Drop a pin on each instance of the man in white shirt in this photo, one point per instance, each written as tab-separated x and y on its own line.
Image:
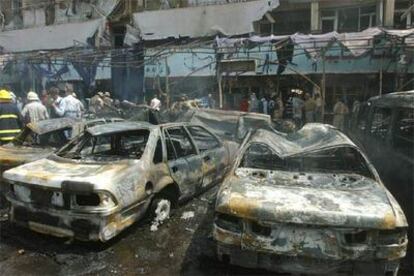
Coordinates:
155	103
69	106
155	106
34	111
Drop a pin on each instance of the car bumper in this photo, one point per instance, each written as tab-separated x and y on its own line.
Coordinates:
252	259
70	224
230	250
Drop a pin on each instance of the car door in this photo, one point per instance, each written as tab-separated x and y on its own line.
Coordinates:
213	154
184	162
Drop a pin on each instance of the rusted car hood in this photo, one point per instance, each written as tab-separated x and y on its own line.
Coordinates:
11	156
368	206
51	172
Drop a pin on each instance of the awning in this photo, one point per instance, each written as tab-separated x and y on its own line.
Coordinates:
227	19
54	37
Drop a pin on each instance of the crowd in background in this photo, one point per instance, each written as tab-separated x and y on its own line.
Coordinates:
300	107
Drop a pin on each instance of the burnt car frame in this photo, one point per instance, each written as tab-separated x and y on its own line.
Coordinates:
384	126
40	139
308	202
107	178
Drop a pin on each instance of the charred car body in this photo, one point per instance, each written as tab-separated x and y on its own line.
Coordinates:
308	202
107	178
40	139
385	128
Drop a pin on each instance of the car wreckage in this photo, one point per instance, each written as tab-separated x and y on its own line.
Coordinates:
107	178
308	202
39	139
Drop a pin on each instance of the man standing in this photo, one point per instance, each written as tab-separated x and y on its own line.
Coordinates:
155	106
54	99
211	102
34	111
340	110
96	105
310	108
297	106
10	119
69	106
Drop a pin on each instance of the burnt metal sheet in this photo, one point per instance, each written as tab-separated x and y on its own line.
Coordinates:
230	125
310	137
45	126
228	19
54	37
118	127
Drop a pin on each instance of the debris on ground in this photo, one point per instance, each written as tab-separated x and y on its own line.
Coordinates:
187	215
162	212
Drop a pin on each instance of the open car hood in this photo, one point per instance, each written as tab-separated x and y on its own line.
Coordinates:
369	206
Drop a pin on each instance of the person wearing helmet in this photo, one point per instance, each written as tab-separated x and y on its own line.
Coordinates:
34	111
10	118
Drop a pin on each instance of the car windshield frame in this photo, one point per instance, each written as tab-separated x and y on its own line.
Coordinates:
302	163
107	146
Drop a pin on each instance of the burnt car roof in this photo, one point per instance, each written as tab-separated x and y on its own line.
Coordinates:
45	126
118	127
311	137
396	99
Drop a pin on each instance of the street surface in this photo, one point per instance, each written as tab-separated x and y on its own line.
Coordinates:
181	246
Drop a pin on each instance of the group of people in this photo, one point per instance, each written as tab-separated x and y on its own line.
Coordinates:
13	115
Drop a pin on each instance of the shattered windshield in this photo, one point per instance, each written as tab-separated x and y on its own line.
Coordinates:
337	160
28	137
113	146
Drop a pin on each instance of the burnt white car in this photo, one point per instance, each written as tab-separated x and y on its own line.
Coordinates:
106	179
308	202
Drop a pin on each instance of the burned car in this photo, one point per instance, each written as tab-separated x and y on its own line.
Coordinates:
308	202
106	179
40	139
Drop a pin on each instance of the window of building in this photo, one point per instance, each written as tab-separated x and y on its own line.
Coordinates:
403	18
329	21
17	11
352	19
286	23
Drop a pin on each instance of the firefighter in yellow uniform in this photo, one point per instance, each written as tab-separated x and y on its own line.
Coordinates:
10	118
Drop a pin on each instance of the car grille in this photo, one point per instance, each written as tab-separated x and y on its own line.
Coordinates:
24	215
43	197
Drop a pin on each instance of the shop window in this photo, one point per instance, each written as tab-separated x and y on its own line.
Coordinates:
403	134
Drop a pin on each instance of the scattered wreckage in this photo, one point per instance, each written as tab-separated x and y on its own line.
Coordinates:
40	139
308	202
107	178
228	125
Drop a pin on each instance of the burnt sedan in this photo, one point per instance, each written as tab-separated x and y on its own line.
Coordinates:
308	202
40	139
106	179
